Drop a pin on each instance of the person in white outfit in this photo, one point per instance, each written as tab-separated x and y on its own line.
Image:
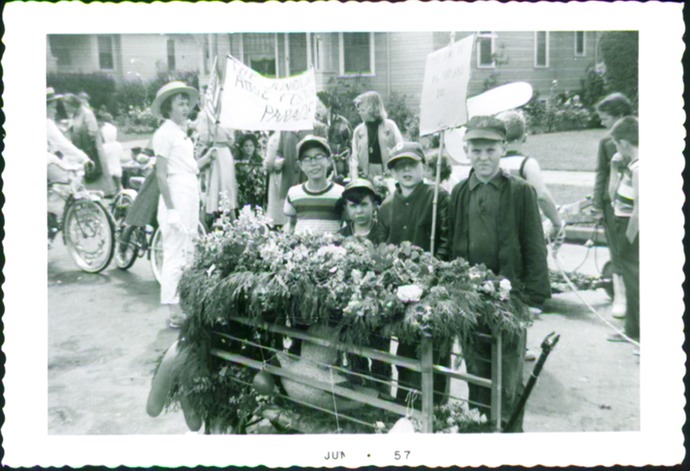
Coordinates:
113	151
176	172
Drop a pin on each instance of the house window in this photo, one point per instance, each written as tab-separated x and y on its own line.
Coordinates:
356	54
580	44
171	54
297	51
541	49
105	52
486	50
260	52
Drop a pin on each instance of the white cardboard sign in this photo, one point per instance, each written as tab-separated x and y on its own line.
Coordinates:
266	104
444	89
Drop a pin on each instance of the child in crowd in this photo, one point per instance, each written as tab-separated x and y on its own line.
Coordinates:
361	203
406	215
313	205
610	109
517	163
624	193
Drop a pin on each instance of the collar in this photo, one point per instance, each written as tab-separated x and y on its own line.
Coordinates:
319	192
495	181
398	192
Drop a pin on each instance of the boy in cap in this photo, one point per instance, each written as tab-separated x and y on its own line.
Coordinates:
495	221
361	202
406	215
313	205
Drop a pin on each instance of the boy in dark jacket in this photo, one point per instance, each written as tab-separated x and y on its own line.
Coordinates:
406	215
495	221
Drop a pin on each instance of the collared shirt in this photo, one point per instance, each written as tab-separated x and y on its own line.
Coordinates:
484	221
173	144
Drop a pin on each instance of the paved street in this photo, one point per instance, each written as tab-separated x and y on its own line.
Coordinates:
106	332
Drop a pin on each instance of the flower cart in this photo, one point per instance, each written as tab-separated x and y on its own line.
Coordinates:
252	292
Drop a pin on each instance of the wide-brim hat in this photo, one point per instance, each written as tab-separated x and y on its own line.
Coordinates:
309	141
406	150
485	127
170	89
51	95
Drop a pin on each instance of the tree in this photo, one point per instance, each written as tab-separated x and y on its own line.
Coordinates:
619	50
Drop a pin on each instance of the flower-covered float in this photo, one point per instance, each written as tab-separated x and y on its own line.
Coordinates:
251	292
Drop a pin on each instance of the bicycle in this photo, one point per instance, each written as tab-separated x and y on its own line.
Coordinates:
88	228
582	227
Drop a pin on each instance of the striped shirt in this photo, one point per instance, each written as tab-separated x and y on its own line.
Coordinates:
316	212
624	201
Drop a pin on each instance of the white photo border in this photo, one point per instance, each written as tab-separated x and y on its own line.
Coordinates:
25	431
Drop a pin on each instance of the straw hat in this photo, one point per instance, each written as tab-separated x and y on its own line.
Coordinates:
170	89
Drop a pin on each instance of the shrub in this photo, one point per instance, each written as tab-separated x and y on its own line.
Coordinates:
563	111
137	120
406	119
344	91
100	87
620	52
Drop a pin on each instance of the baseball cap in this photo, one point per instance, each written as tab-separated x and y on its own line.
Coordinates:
406	150
311	140
485	127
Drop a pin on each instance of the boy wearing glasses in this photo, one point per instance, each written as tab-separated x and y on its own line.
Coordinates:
313	205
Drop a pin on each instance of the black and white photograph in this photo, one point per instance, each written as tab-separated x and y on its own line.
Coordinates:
353	234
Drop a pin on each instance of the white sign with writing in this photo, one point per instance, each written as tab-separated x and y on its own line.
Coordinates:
444	90
252	101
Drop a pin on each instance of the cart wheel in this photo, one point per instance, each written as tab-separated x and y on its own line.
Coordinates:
89	235
607	279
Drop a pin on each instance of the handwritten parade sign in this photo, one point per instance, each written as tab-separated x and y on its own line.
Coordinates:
252	101
444	90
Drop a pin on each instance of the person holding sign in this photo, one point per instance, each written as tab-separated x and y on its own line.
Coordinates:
373	139
495	221
313	206
406	216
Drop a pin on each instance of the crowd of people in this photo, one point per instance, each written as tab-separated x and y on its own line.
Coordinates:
493	217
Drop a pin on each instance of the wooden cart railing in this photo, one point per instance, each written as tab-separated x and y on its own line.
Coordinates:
424	366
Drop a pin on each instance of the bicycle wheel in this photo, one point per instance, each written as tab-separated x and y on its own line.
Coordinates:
89	233
156	250
124	256
607	277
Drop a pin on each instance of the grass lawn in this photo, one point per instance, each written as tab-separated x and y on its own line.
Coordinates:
126	137
572	150
565	194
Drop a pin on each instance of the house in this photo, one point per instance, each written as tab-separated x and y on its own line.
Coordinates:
392	61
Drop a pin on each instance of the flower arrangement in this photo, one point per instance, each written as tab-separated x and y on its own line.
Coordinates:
351	285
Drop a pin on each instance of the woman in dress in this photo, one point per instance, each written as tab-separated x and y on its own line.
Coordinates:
251	176
85	134
177	175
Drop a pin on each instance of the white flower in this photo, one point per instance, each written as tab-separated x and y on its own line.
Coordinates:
488	287
409	293
504	288
210	270
334	251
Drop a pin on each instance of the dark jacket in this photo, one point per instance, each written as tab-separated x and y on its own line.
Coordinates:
600	197
522	252
403	219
